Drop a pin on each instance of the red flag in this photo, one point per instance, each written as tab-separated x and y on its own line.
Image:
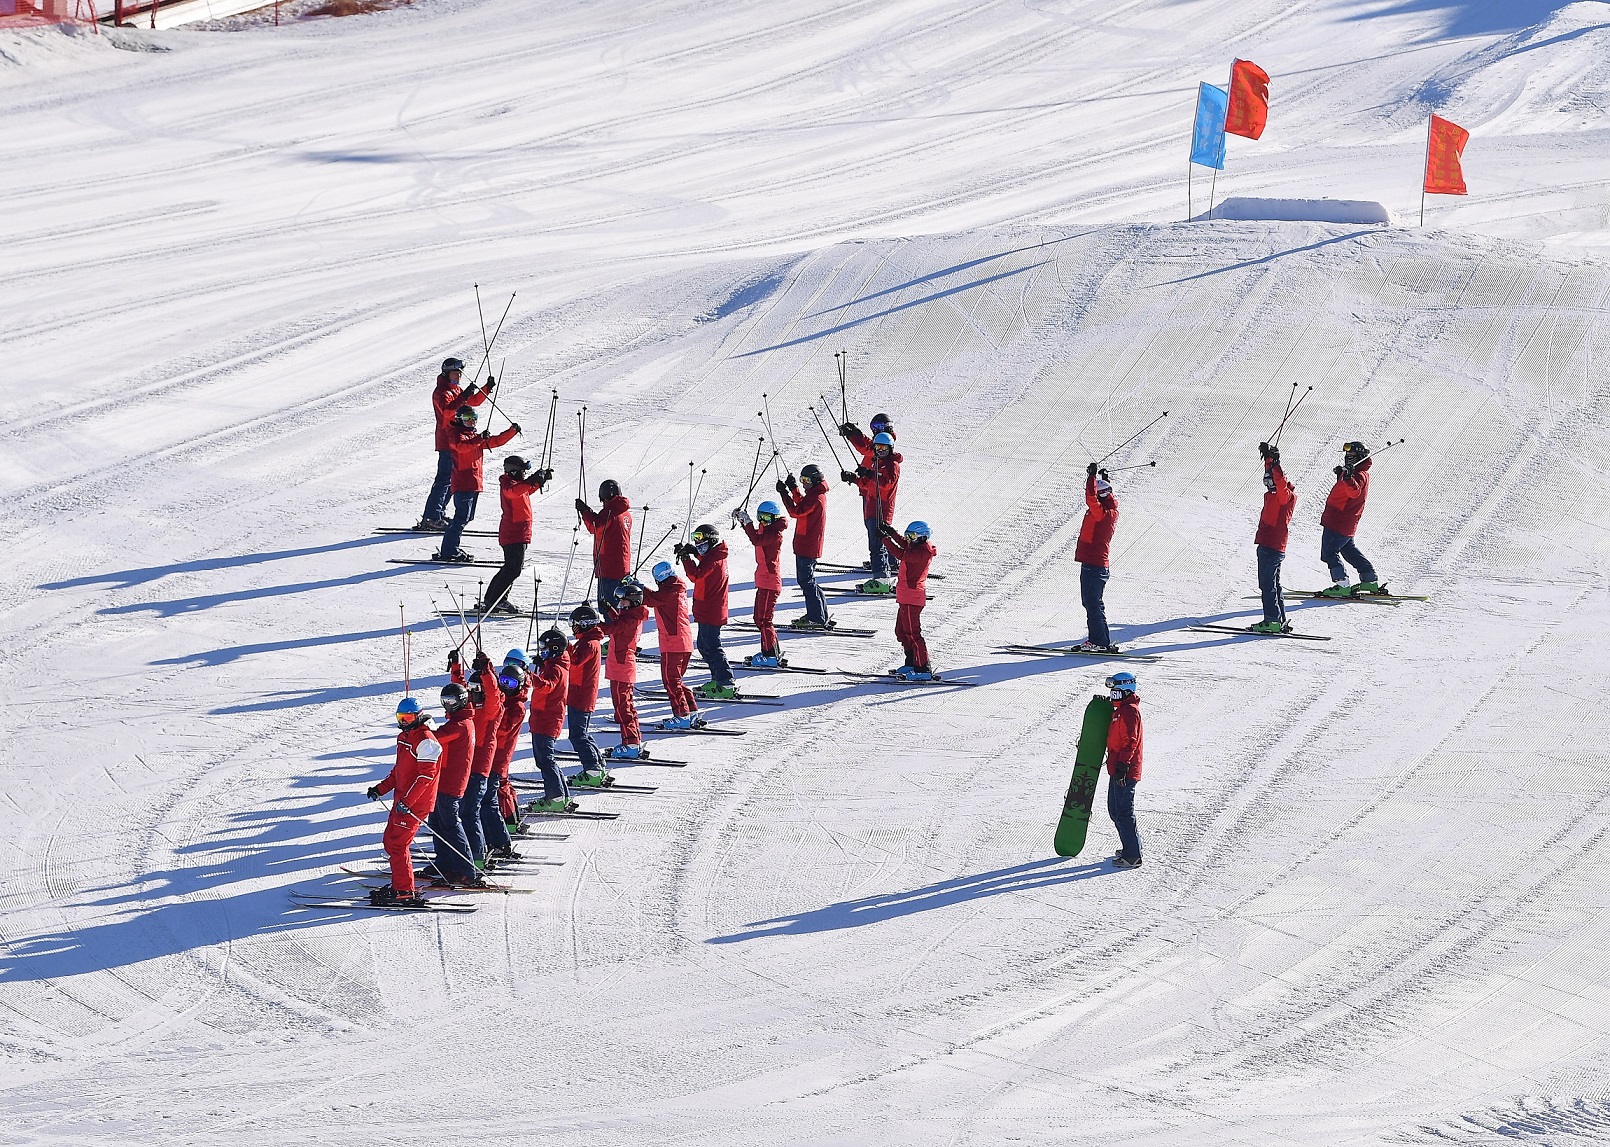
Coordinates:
1444	146
1249	100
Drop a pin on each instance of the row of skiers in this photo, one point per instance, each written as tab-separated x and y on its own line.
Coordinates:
898	559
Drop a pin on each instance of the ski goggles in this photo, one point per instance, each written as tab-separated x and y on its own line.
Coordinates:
881	424
580	625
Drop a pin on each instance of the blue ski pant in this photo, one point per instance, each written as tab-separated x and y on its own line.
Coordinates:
1121	807
452	844
1092	589
880	563
494	829
553	781
436	500
607	588
815	599
463	515
469	815
581	740
1333	547
715	657
1274	603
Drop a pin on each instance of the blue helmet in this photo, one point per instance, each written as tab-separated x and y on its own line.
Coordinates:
1122	683
663	571
409	711
519	657
882	439
768	509
918	529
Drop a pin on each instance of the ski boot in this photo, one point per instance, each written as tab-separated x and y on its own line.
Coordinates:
476	881
675	723
625	753
383	897
459	556
504	853
764	661
1340	589
711	691
808	625
592	779
698	722
430	526
904	672
1122	861
1369	589
1267	627
551	805
503	607
923	673
878	587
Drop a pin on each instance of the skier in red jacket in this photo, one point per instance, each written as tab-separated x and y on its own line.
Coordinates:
670	602
586	667
878	479
768	540
413	779
809	508
1279	500
623	624
550	687
515	487
453	863
704	560
444	400
498	806
916	554
468	446
611	528
1093	555
486	699
1339	523
1123	766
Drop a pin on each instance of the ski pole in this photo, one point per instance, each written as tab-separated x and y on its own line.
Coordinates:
689	516
581	458
1132	437
830	447
442	617
547	436
489	343
1136	466
575	543
642	528
699	489
753	470
424	823
1274	439
764	414
536	607
402	616
843	358
645	557
1388	446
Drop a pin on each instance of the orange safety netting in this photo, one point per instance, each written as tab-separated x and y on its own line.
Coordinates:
14	13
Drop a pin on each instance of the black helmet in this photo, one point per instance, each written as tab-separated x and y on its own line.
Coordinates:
511	676
706	535
515	466
583	617
454	697
630	590
553	642
811	473
472	686
882	422
452	364
466	416
1356	452
607	489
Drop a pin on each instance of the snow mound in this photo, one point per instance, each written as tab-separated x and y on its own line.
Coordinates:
1246	207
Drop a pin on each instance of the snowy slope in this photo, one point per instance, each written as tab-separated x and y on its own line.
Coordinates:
1374	866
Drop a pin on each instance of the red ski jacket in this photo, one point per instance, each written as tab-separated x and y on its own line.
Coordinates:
623	627
549	688
1345	506
863	444
413	777
811	510
1095	532
469	447
709	574
768	555
1124	740
911	584
445	401
487	716
586	666
670	602
515	496
457	737
509	729
611	528
1278	505
878	487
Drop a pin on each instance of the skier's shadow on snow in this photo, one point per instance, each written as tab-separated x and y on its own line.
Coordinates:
1029	877
128	579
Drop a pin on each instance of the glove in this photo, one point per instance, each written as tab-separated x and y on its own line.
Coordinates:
862	472
1091	470
546	475
887	530
581	507
1263	450
1105	477
846	476
452	658
481	663
1273	455
849	429
1340	471
373	792
782	487
743	516
490	382
515	426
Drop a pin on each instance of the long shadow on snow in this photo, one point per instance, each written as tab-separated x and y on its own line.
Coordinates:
228	653
1029	877
1472	17
1272	257
193	604
128	579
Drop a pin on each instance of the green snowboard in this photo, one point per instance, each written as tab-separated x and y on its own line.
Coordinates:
1075	820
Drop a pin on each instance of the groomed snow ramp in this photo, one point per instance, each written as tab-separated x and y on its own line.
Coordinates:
1246	207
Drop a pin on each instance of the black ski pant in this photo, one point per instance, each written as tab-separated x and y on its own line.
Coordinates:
503	580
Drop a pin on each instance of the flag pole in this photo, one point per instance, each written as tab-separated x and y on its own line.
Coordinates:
1424	168
1229	94
1188	172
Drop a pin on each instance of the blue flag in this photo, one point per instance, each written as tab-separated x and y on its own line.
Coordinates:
1207	140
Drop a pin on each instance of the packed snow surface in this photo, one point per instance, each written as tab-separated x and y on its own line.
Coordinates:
1372	901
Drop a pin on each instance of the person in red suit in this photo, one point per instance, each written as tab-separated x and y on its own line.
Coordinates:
1339	523
915	553
767	537
497	805
623	623
669	599
515	486
413	779
1123	766
486	701
1093	555
878	479
444	400
550	687
611	528
469	446
704	560
1274	522
453	863
586	668
808	507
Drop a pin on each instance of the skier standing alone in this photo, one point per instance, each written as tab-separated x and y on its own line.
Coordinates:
915	554
1123	766
1279	500
1339	523
413	779
1093	555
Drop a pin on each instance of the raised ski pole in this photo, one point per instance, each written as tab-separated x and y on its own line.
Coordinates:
495	409
818	419
643	558
1388	446
547	436
844	400
697	490
536	607
753	470
489	343
1274	439
1132	437
642	528
402	617
581	456
765	416
442	617
1136	466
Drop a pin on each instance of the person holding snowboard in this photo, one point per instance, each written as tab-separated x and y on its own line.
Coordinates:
550	686
1279	500
611	528
878	479
413	779
809	508
1093	555
623	625
444	400
586	667
468	446
704	560
915	553
767	537
1339	523
515	487
453	864
1123	766
669	597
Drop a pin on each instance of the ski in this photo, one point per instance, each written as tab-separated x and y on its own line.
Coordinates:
662	762
318	900
1074	822
433	533
1250	633
789	631
533	783
1060	651
747	699
891	679
426	886
438	564
707	731
1374	598
574	814
779	668
840	567
852	591
489	890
